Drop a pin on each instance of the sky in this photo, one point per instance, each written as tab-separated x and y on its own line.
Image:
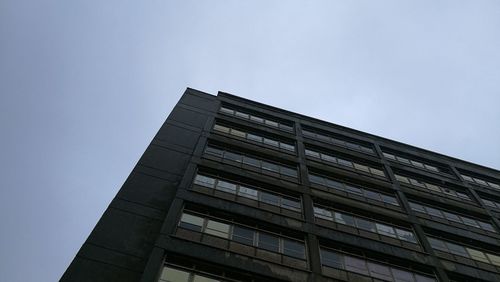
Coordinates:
85	85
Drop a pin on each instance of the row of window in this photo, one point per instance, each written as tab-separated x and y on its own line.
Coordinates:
464	251
369	268
490	203
249	193
452	217
414	163
170	274
333	184
432	187
480	181
346	163
338	142
244	159
244	235
254	138
256	119
365	224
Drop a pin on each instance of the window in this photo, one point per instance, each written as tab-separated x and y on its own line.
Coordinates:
385	230
451	217
389	200
268	242
232	156
290	204
218	229
434	212
456	249
270	167
323	214
379	271
248	193
406	235
293	249
174	275
344	219
438	244
366	225
417	207
251	161
332	259
226	187
372	195
204	181
355	265
191	222
345	163
198	278
401	275
243	235
494	259
358	191
477	255
269	199
470	222
238	133
255	138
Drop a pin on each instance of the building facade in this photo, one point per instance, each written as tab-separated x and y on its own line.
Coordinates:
234	190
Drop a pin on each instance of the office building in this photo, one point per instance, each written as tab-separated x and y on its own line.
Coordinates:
234	190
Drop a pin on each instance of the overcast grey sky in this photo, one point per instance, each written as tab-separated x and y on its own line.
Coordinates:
85	85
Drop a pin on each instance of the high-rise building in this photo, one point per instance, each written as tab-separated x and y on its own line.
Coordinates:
234	190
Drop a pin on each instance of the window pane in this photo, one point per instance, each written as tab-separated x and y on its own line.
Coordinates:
456	249
451	217
417	183
389	200
316	179
406	235
489	203
486	226
377	172
417	164
431	168
379	271
389	156
288	171
403	160
254	138
271	142
270	166
322	213
232	156
191	222
221	128
344	219
372	195
366	225
248	193
344	162
217	229
269	198
402	179
417	207
470	221
433	187
434	212
312	154
268	242
204	181
226	110
494	259
332	259
328	158
226	187
355	265
335	184
290	204
420	278
480	181
238	133
402	276
463	196
385	230
174	275
354	190
241	115
286	127
477	255
198	278
271	123
257	119
467	178
287	147
293	249
251	161
438	244
494	185
361	167
214	151
243	235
